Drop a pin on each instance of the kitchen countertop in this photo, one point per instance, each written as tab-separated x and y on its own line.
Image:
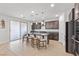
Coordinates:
45	34
47	30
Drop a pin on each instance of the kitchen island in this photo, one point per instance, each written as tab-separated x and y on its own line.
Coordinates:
47	34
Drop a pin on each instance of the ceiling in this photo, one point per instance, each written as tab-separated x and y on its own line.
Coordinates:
42	11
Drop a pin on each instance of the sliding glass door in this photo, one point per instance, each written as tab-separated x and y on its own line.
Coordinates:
17	30
23	29
14	30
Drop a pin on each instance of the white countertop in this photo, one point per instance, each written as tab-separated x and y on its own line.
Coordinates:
40	34
48	30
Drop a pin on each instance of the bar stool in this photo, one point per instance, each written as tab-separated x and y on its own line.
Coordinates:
42	42
24	36
34	41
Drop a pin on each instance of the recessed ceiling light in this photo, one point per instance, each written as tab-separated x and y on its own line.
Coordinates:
77	11
32	11
36	23
42	22
52	5
57	15
31	23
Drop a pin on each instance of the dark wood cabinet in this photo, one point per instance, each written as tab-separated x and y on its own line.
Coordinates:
52	25
36	26
53	36
70	32
76	29
72	37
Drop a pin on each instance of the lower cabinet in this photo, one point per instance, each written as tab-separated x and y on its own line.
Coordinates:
76	48
53	36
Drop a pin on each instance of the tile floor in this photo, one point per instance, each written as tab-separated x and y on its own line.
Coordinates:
19	48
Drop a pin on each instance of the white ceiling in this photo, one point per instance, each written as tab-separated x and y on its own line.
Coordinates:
18	9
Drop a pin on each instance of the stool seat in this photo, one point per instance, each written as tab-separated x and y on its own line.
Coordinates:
42	43
42	40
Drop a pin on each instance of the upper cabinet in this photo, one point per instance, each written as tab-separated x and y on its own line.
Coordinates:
48	25
36	26
52	25
76	10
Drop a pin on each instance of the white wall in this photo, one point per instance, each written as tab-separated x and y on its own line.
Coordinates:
62	29
29	27
4	33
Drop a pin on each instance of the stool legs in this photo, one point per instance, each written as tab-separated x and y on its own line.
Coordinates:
43	43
